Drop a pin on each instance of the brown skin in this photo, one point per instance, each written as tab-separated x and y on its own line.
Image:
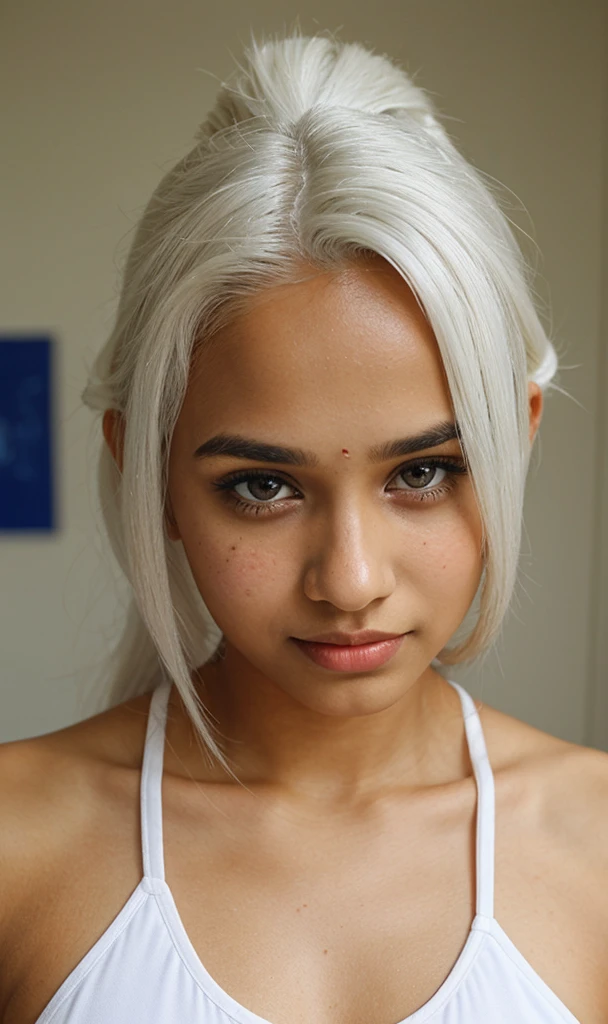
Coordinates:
334	363
338	884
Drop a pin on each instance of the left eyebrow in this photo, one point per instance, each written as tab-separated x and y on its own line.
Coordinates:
240	447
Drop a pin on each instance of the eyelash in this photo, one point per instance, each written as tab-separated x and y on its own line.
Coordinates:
454	467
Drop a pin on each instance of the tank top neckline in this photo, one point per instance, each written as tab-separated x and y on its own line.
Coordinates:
151	796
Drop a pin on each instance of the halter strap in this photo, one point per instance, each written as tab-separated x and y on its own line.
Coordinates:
151	784
152	812
484	779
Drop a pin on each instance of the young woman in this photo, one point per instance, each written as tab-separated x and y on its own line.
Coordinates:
319	402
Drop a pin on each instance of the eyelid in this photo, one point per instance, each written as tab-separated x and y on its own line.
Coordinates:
241	475
454	466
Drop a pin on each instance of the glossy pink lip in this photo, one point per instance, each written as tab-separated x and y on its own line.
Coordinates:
350	657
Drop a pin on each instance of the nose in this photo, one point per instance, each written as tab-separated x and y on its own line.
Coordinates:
351	564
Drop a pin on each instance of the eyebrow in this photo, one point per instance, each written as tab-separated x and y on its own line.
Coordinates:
240	447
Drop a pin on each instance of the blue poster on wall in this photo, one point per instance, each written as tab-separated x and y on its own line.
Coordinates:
26	434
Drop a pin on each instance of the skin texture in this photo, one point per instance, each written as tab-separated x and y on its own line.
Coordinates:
333	363
338	882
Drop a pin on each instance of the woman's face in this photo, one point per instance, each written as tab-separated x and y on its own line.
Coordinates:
333	366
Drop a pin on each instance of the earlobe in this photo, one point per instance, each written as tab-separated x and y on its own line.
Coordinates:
113	431
535	405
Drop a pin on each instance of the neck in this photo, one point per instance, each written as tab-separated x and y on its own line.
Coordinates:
272	740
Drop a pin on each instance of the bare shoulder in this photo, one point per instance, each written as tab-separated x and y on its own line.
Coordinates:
52	788
577	807
559	786
570	772
39	772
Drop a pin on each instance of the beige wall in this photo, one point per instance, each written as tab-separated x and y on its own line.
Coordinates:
100	99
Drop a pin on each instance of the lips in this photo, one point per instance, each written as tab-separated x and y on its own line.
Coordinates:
350	657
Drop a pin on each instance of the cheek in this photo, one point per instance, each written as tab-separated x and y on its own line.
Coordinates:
234	575
447	560
226	568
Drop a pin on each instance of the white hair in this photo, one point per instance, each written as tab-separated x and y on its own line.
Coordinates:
322	153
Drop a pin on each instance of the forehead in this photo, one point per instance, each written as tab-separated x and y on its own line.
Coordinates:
328	347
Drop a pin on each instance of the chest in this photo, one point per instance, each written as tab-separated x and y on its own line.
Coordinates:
345	923
348	931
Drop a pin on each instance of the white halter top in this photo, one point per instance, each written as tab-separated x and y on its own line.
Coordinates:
144	969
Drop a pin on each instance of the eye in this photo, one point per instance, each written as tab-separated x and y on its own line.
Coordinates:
422	472
422	475
264	486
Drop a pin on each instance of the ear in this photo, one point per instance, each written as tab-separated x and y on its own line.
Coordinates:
535	400
113	426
